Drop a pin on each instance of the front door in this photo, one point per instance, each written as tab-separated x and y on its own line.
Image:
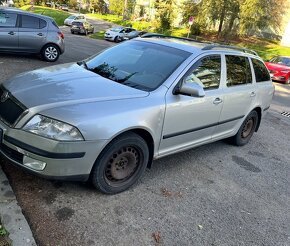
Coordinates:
32	34
191	121
8	31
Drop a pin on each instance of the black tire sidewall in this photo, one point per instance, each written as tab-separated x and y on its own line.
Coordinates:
43	52
238	140
98	173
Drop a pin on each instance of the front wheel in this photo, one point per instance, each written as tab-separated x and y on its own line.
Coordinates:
288	80
50	53
246	130
120	164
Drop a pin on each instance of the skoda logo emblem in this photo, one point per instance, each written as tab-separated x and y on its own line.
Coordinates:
4	96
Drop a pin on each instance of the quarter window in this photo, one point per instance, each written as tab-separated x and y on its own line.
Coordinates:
206	72
8	20
261	72
238	70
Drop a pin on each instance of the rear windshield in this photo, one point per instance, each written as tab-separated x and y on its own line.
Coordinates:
137	64
53	22
77	23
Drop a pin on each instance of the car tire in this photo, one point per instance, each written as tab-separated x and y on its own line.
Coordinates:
120	164
86	32
246	130
72	32
288	81
117	39
50	53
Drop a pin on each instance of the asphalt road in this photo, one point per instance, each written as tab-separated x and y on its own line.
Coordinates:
216	194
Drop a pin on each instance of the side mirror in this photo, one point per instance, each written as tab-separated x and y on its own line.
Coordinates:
190	89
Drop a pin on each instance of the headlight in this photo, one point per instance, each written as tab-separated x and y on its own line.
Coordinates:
53	129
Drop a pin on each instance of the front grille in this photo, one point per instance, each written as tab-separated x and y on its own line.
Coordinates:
10	109
11	153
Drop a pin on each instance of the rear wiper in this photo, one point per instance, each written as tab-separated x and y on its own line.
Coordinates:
84	64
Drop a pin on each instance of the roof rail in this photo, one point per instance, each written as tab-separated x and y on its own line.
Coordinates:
157	35
245	50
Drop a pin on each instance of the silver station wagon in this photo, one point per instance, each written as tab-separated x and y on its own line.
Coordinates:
106	118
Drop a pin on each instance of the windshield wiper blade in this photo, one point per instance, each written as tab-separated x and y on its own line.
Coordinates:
84	64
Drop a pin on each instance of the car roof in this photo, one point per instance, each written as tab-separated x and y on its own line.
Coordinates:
196	47
15	10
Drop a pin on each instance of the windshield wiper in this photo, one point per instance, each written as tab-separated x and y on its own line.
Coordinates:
84	64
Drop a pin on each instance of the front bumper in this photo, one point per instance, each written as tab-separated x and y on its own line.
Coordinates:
64	160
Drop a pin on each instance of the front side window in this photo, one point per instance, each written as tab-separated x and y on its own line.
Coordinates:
261	72
238	70
8	19
29	22
137	64
206	72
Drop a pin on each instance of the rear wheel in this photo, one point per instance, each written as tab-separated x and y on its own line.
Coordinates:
246	130
50	53
120	164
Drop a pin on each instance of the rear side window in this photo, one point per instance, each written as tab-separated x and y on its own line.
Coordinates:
8	19
261	72
238	70
206	72
32	22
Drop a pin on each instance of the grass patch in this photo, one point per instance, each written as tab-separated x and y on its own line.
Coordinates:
58	15
118	20
98	35
4	239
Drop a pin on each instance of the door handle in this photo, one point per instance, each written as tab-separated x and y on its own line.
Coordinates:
217	101
11	33
253	94
40	34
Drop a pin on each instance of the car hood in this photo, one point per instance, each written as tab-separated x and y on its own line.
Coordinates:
64	85
276	67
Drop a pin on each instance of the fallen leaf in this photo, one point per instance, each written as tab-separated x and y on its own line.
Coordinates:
156	236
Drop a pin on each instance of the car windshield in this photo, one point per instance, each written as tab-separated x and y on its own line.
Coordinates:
137	64
117	29
281	60
72	17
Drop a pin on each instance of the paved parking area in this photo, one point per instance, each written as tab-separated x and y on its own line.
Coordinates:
216	194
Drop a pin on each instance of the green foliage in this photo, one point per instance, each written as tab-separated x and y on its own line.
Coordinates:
164	13
235	16
116	7
58	15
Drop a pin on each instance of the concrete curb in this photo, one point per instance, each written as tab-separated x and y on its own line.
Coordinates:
11	215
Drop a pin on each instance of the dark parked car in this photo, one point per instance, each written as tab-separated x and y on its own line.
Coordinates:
23	32
83	27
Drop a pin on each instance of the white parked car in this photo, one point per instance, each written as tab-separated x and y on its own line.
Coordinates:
69	20
117	34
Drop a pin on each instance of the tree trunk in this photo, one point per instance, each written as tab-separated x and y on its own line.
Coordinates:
222	18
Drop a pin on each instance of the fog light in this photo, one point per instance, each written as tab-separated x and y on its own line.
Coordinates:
34	164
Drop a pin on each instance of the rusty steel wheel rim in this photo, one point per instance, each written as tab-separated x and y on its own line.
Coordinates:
122	165
248	127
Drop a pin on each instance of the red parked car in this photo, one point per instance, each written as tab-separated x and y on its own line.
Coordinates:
279	67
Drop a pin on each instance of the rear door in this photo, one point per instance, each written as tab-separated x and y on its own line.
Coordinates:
239	95
32	33
8	31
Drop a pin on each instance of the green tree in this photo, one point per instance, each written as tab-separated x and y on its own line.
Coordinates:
164	13
116	6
